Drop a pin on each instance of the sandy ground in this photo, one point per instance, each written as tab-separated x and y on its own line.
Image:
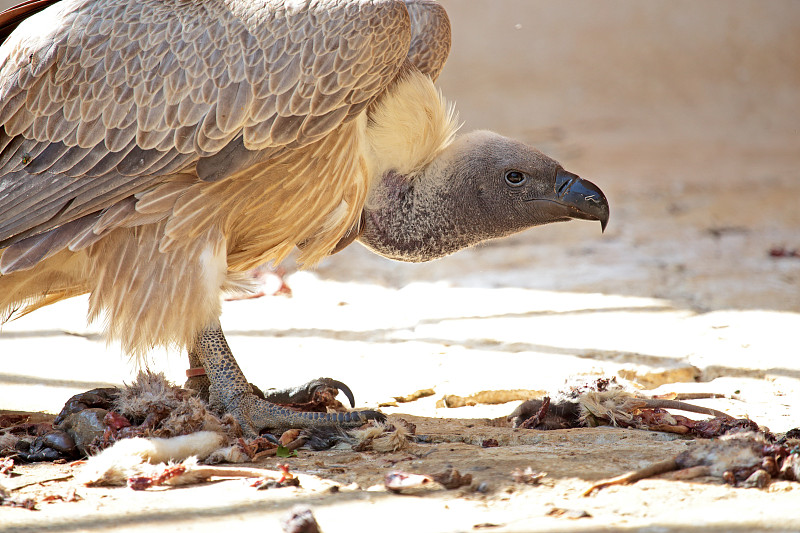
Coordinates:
686	115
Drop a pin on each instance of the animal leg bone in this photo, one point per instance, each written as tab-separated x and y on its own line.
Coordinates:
230	391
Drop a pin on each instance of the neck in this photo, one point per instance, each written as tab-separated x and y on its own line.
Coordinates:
406	215
415	220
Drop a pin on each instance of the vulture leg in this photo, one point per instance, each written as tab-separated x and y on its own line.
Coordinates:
230	390
301	394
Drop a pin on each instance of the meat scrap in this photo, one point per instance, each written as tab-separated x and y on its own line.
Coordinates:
450	479
781	251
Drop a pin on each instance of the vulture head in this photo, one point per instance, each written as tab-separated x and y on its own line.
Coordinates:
482	186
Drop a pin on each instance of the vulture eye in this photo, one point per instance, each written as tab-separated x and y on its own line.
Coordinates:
515	178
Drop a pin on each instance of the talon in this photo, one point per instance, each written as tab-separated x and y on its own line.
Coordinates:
335	384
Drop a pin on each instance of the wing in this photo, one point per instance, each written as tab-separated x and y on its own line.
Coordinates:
100	99
430	36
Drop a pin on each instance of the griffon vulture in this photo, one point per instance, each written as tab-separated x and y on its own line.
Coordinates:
152	151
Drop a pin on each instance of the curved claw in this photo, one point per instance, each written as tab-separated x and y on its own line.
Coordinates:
305	393
369	414
336	384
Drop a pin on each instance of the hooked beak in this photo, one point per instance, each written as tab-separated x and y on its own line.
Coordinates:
581	198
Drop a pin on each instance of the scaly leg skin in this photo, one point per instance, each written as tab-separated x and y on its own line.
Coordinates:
200	384
231	391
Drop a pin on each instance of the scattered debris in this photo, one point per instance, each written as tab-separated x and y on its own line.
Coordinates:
288	436
283	451
43	481
400	481
6	465
13	419
721	231
449	479
527	476
572	514
487	525
286	479
300	519
783	252
742	459
422	393
452	478
488	397
490	443
7	500
70	496
414	396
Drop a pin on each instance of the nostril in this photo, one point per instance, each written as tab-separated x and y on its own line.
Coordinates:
564	188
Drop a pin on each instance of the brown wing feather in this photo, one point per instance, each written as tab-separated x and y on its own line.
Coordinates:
430	36
102	99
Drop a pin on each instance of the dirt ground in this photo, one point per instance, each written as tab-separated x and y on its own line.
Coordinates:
687	115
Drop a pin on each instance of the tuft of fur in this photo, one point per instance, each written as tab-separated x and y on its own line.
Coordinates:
152	393
137	399
612	405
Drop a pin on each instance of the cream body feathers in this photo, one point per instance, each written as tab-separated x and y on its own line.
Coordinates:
409	127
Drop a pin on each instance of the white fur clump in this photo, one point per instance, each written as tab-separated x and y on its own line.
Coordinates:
130	457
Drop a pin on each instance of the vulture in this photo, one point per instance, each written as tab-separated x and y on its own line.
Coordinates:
153	151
